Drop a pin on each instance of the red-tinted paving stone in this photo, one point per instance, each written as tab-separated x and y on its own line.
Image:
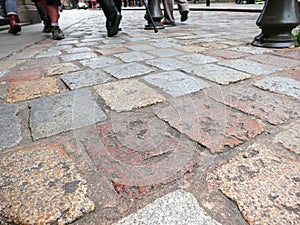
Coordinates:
289	53
267	106
210	123
137	151
22	75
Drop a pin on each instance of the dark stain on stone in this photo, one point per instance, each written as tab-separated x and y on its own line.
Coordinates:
71	187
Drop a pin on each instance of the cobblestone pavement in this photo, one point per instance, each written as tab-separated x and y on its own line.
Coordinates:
190	125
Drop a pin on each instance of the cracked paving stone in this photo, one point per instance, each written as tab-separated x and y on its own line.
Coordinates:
264	182
39	185
269	107
280	85
178	207
139	151
60	68
68	111
10	127
126	95
210	123
21	91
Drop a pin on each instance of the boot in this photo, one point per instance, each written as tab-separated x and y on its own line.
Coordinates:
14	22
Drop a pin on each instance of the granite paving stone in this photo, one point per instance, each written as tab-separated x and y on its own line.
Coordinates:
67	111
226	54
29	74
269	107
275	60
126	95
78	56
35	63
10	127
176	83
168	63
84	78
134	56
192	48
3	73
216	73
21	91
48	53
289	137
60	68
264	182
178	207
100	62
281	85
128	70
140	47
164	52
39	185
111	51
197	58
251	50
6	64
290	53
78	50
210	123
251	67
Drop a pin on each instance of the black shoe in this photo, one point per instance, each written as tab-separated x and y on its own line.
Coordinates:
57	33
184	16
112	25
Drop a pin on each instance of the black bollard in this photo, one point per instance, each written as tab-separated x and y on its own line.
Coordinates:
155	11
277	20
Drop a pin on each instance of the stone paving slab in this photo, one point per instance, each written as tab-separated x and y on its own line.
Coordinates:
61	68
22	75
99	62
168	63
10	127
68	111
178	207
35	63
212	124
176	83
264	183
39	185
197	59
134	56
126	95
269	107
281	85
275	60
78	56
21	91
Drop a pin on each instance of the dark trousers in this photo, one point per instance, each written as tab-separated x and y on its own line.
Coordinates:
110	7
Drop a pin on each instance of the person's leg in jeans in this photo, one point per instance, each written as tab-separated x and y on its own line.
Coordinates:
10	10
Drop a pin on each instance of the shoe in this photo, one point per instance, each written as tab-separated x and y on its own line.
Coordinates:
112	25
166	22
47	27
14	23
184	16
57	33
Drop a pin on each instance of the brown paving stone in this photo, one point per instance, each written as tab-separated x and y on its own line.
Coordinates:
60	68
289	53
39	185
112	51
22	75
34	63
210	123
8	64
267	106
137	151
20	91
192	48
264	182
275	60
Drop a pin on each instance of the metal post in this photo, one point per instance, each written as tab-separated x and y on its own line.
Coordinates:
277	20
207	2
156	13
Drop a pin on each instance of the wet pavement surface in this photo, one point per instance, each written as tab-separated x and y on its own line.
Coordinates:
190	125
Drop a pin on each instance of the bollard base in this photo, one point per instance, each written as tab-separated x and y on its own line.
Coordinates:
150	26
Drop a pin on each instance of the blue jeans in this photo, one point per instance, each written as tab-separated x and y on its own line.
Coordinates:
8	7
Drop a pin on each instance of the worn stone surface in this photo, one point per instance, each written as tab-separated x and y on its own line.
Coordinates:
128	70
35	63
48	53
65	112
212	124
275	60
79	50
218	74
289	137
137	151
267	106
178	207
39	185
99	62
111	51
7	64
281	85
127	94
140	47
197	58
134	56
60	68
84	78
164	52
78	56
176	83
10	127
264	183
21	91
251	67
251	50
226	54
29	74
168	63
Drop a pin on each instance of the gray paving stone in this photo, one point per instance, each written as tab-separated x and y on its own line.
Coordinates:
141	47
178	207
219	74
197	59
64	112
251	67
77	50
78	56
134	56
164	44
84	78
99	62
68	41
176	83
3	73
251	50
281	85
165	52
168	63
128	70
10	127
49	53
